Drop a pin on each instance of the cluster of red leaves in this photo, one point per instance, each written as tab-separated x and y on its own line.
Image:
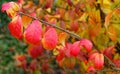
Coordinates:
40	37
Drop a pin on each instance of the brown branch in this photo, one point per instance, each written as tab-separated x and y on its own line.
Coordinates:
113	66
46	23
109	70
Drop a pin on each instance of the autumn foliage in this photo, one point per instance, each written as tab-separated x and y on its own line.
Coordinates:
76	34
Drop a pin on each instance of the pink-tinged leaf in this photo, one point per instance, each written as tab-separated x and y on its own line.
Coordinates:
5	6
11	8
109	52
67	50
86	44
99	61
91	69
33	33
50	39
92	56
75	48
35	50
15	27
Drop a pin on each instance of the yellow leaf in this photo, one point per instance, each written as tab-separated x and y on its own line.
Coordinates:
112	33
55	52
83	17
26	20
62	37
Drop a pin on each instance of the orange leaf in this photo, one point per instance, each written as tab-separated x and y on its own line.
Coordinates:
62	38
118	11
33	33
94	18
26	20
107	18
112	33
94	30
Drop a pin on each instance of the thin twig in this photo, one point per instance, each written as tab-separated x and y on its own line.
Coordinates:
46	23
110	70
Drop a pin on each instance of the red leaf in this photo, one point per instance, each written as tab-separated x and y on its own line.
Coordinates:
117	62
48	3
35	50
86	43
74	26
109	51
91	69
75	48
15	27
33	33
60	56
69	2
50	39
